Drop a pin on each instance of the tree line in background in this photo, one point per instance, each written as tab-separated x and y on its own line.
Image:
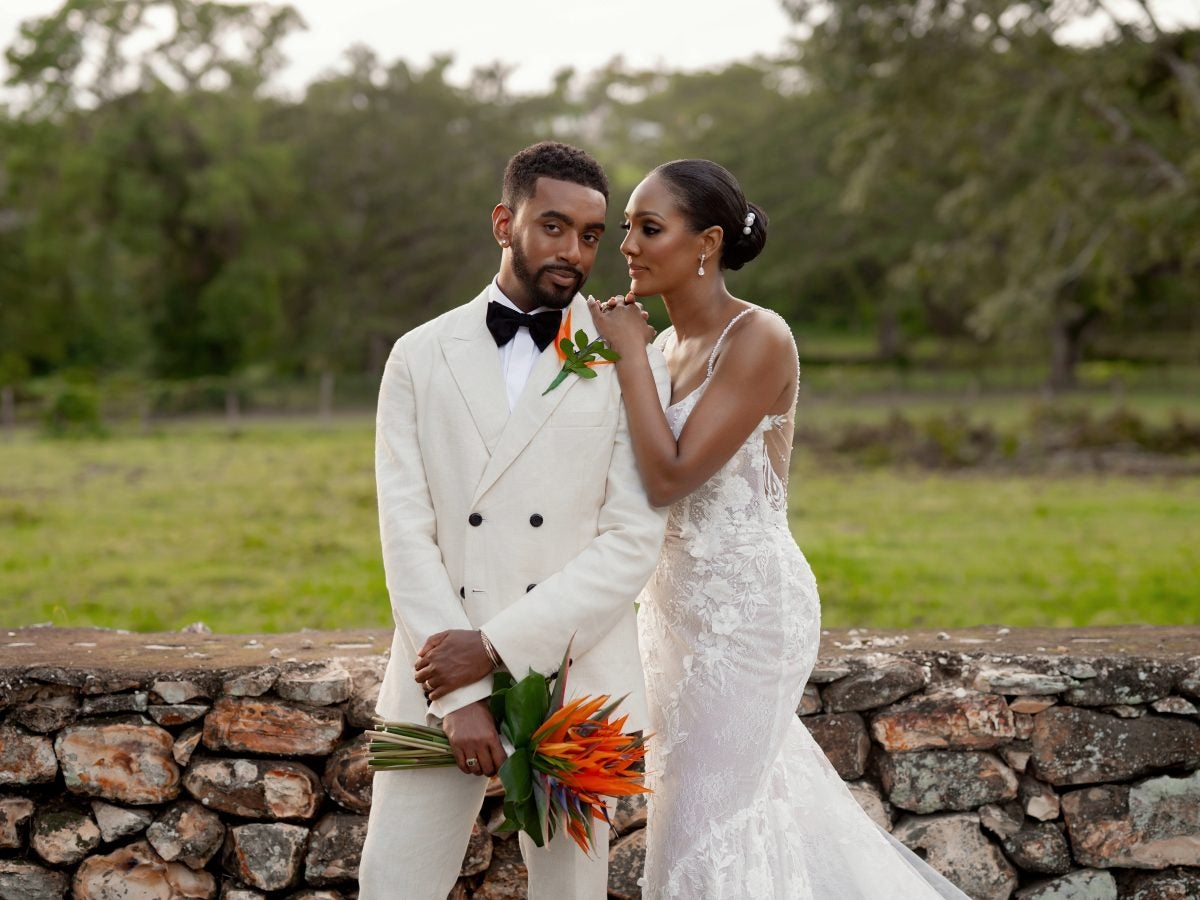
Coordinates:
947	169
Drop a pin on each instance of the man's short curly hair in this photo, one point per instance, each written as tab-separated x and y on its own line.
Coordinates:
549	159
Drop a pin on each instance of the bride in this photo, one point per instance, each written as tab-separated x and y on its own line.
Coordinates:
745	804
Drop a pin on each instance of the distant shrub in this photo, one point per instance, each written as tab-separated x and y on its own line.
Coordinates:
73	411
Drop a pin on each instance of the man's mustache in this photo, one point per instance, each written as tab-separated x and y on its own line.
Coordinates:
567	269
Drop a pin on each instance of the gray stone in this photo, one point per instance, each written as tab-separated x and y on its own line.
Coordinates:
63	836
1031	704
1009	680
265	855
28	881
626	859
25	758
317	684
1023	726
1038	799
630	813
928	781
255	788
128	763
177	714
810	703
1080	746
116	822
1140	681
1174	706
271	727
954	845
136	872
1016	755
348	776
1078	668
1169	884
46	708
187	833
944	721
107	704
872	803
1150	825
506	877
173	692
1190	685
313	894
185	745
1039	848
874	687
235	891
825	674
253	683
1122	711
1002	819
1086	884
15	813
479	851
843	739
335	848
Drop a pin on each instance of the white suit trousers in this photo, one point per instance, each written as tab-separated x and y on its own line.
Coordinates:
418	832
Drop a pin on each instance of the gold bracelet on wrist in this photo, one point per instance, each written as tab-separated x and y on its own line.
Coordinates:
490	650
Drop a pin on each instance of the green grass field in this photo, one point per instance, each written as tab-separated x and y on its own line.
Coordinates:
274	529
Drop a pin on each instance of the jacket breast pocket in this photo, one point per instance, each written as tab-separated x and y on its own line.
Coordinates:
583	418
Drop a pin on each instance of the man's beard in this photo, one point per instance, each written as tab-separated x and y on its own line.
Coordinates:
553	297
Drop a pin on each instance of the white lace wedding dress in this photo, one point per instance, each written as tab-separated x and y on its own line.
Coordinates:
744	804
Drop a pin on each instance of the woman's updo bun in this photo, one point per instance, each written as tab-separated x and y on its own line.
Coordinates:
709	195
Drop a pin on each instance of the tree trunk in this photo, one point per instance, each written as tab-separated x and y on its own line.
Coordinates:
1066	347
233	409
326	400
888	340
8	410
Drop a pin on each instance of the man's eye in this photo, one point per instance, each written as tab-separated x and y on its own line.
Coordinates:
592	238
552	228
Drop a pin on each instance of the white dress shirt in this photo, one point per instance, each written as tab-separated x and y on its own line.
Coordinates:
518	356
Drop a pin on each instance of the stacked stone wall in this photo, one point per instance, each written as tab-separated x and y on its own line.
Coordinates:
1027	764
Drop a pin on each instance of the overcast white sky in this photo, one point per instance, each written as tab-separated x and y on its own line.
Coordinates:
538	36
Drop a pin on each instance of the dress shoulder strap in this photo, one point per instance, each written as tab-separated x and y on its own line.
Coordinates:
712	357
660	342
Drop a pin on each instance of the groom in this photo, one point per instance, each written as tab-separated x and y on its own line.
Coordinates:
512	522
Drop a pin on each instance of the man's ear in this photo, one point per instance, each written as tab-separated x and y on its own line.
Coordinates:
502	221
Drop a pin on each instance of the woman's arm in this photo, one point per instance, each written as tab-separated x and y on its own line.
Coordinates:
757	363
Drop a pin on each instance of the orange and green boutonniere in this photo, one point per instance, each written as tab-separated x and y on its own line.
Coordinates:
579	355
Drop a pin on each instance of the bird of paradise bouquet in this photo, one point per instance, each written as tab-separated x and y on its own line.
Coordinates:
565	756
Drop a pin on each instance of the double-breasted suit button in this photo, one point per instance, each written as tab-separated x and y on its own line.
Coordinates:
475	519
536	520
529	587
462	592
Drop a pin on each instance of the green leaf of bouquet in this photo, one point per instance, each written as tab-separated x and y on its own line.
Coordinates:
528	702
502	682
587	373
610	354
542	801
560	680
581	338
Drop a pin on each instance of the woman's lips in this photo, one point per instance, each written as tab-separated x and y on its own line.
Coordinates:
635	271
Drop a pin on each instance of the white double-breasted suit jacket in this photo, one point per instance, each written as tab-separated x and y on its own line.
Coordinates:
532	525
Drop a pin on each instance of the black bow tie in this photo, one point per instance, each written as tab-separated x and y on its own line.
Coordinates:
503	322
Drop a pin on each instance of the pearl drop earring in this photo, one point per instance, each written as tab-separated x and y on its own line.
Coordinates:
700	271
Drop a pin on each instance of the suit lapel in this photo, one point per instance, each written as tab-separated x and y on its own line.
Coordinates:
470	352
533	408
